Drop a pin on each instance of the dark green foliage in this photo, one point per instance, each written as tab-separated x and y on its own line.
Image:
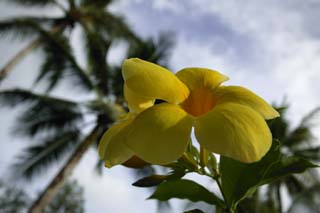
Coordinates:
42	117
37	3
55	121
43	113
37	158
108	25
12	199
309	201
240	180
309	153
97	49
21	27
56	125
194	211
299	142
69	199
96	3
185	189
152	180
279	126
153	50
59	63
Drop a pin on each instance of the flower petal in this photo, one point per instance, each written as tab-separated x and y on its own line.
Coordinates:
112	148
196	78
160	134
152	81
136	103
241	95
234	130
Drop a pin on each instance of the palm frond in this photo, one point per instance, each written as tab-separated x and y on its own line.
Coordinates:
97	48
279	126
307	201
60	62
302	135
42	113
109	25
37	3
309	153
15	97
20	27
38	158
154	50
97	3
294	185
51	118
309	119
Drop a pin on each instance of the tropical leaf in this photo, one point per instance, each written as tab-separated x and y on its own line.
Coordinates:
97	48
240	180
42	113
23	27
37	3
97	3
153	50
38	158
59	63
14	97
108	25
185	189
51	118
152	180
307	201
312	153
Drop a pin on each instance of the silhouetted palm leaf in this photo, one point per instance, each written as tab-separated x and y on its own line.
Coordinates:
42	113
37	158
37	3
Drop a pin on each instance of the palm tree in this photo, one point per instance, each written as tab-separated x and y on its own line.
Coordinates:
92	16
60	126
298	141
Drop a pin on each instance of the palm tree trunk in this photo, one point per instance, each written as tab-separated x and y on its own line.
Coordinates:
25	51
279	198
51	190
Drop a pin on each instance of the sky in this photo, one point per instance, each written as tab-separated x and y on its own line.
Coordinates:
271	47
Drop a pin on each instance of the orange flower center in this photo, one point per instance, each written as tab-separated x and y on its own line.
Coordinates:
199	101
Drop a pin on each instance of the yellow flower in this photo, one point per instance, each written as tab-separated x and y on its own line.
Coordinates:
228	120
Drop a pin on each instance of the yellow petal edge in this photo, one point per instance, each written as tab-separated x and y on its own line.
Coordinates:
234	130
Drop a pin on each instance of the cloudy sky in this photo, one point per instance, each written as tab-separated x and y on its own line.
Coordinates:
271	47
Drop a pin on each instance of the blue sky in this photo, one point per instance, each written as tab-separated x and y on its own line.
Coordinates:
271	47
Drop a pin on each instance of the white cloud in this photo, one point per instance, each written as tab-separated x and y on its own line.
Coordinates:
271	47
111	192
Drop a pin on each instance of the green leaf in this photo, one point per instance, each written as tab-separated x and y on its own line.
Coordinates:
152	180
240	179
194	211
185	189
287	166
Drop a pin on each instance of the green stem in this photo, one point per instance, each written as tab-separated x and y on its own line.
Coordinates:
220	188
190	161
204	157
